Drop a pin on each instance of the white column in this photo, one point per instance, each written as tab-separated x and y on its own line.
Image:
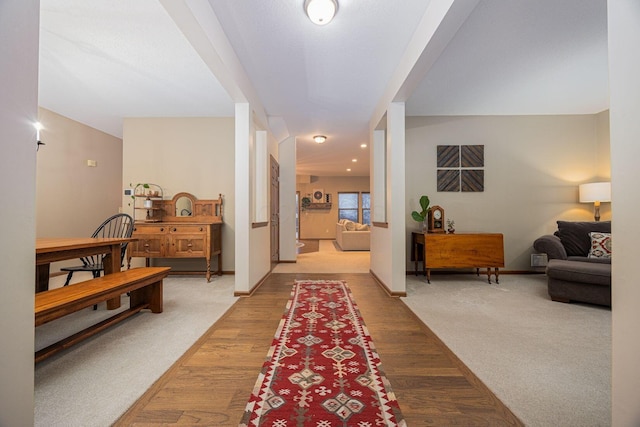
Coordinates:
396	216
261	176
624	102
287	161
243	173
378	171
18	113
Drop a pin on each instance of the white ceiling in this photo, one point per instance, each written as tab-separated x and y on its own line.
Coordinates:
104	60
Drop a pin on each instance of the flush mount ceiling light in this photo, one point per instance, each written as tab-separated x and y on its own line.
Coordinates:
320	12
319	139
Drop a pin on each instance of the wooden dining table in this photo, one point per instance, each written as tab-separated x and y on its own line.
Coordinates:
50	250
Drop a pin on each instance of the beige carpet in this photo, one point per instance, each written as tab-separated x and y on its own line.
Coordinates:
549	362
328	259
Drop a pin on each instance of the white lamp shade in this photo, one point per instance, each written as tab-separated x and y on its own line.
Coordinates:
595	192
320	12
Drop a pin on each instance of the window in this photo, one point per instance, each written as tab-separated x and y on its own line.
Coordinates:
366	208
350	206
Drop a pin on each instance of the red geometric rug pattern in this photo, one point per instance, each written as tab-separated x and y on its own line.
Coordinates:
322	369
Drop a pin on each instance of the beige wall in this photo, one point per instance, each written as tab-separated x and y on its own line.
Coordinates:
195	155
321	224
72	199
533	165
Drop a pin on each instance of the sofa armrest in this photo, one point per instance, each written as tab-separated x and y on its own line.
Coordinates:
551	245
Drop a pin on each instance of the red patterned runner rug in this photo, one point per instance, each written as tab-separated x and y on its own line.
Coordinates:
322	369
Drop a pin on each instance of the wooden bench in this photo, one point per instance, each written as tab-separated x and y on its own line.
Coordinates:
144	286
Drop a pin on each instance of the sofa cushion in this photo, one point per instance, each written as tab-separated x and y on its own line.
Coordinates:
594	273
575	235
349	225
362	227
600	245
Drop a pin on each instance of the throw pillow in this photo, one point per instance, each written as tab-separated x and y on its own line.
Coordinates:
574	235
362	227
600	245
349	225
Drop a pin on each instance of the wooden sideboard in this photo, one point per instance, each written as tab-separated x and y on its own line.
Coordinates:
190	228
466	250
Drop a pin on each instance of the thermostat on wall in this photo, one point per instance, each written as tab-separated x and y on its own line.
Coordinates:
128	191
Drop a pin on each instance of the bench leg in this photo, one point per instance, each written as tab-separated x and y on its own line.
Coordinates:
114	303
151	294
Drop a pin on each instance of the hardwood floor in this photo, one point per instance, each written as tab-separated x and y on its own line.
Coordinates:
211	383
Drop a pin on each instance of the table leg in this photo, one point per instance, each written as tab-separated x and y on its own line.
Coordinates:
111	263
497	273
428	273
208	270
415	256
489	274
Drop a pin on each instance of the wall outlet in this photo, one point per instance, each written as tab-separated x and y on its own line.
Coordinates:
538	260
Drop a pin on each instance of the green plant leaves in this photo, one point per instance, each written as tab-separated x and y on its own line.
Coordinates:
422	215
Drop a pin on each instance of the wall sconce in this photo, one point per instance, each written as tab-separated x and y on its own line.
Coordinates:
319	139
595	192
321	12
38	127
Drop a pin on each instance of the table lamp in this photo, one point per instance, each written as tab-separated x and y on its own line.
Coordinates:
595	192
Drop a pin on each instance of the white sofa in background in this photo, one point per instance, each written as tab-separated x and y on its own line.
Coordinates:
352	236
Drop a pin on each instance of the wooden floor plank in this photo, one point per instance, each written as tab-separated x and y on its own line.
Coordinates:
211	383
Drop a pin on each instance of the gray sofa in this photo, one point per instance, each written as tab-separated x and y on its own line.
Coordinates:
575	274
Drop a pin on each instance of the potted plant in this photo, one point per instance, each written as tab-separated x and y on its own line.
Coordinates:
451	226
422	215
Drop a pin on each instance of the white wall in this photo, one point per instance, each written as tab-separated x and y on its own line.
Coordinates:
195	155
18	113
624	78
533	165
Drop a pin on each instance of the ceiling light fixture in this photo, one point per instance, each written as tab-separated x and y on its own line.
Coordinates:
321	12
354	160
363	145
319	139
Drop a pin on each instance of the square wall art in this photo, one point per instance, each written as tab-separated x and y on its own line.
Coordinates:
460	168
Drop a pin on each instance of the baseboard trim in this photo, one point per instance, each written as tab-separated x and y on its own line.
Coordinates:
466	271
287	261
195	272
253	288
386	288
